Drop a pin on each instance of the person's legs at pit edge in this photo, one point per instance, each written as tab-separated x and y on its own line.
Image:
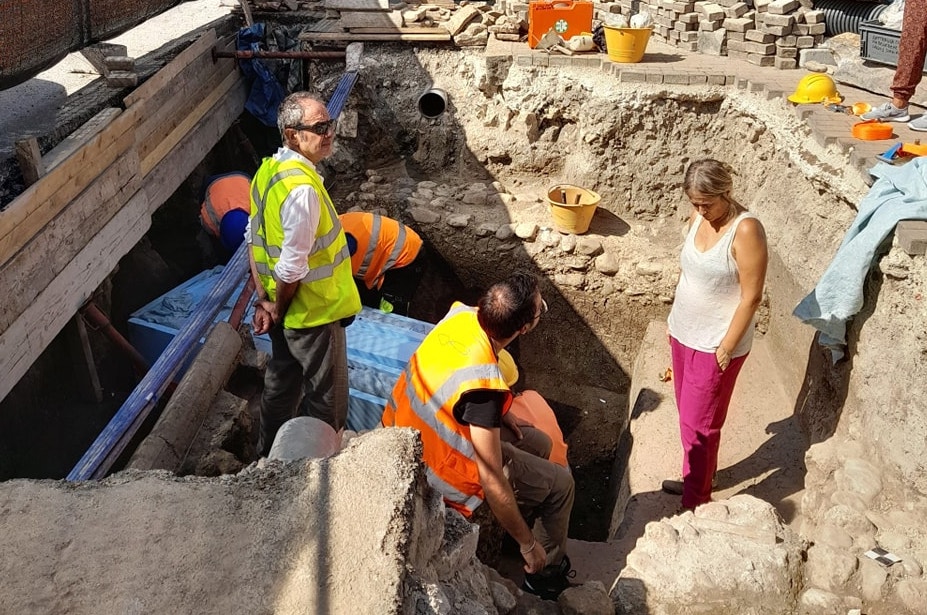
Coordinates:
283	385
322	354
703	394
533	441
912	51
545	491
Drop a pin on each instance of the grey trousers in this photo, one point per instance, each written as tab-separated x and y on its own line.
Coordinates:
543	490
308	363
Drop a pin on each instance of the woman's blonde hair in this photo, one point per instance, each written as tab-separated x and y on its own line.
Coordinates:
709	177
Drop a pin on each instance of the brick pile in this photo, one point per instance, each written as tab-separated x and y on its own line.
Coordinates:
762	32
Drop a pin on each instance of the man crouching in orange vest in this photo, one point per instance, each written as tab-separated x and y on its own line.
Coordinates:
383	250
454	393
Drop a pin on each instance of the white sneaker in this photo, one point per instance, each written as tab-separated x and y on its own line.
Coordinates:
919	124
887	113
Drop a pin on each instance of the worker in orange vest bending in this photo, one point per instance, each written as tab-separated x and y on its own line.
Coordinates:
453	392
225	209
384	259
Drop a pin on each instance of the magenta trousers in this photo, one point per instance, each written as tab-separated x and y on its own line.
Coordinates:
703	393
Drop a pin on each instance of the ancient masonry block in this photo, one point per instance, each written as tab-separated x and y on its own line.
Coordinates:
912	236
758	36
711	11
760	60
816	16
779	20
738	9
763	49
738	24
782	7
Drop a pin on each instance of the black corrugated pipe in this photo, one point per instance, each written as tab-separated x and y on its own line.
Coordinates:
845	15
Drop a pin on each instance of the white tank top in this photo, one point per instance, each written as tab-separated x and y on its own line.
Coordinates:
708	293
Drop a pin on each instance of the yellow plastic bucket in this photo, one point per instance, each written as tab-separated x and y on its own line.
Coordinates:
626	45
572	207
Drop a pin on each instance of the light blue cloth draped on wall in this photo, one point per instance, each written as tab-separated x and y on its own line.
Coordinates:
899	193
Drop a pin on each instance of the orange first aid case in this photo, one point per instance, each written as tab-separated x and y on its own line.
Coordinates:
567	17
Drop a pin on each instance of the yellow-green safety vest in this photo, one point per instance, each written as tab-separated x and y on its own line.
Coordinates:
327	293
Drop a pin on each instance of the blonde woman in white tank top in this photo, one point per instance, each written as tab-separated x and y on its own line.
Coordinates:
723	270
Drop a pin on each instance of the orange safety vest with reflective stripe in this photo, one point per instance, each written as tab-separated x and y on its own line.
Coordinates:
222	196
455	358
382	244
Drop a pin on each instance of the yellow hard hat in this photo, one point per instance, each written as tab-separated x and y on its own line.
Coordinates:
508	368
815	88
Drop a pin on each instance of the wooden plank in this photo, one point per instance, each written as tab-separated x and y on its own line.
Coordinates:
176	97
203	44
350	36
174	168
324	25
79	138
357	5
54	246
168	143
357	19
82	363
41	321
30	160
44	200
96	54
186	97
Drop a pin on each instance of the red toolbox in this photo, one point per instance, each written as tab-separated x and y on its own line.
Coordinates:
567	17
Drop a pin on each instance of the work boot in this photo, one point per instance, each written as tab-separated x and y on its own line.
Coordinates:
550	582
887	113
674	487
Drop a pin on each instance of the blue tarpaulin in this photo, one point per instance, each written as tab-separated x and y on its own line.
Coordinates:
266	92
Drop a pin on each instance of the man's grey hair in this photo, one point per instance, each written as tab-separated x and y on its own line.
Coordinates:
290	112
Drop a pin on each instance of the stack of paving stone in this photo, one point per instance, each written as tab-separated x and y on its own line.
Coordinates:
762	32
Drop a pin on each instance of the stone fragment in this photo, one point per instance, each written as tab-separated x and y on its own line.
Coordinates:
573	280
815	600
607	264
816	56
474	198
424	216
577	263
504	232
860	477
461	19
588	246
872	578
486	229
568	243
549	237
829	568
502	598
427	185
526	231
587	599
458	220
712	43
912	593
476	35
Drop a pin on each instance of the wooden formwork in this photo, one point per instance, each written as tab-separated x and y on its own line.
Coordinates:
95	192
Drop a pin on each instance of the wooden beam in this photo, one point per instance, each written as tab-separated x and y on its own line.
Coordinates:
96	54
173	101
356	5
37	326
155	135
55	245
82	364
30	160
79	138
44	200
367	19
232	81
164	178
203	44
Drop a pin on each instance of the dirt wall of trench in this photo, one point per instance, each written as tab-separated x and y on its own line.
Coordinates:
513	131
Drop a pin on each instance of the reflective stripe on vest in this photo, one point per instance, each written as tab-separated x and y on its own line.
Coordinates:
454	359
327	292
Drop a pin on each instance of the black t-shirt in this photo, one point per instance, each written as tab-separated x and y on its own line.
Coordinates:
480	408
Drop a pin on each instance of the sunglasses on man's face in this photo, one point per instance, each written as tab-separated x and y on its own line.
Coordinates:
319	128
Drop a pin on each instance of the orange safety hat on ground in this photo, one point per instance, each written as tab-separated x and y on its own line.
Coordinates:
815	88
